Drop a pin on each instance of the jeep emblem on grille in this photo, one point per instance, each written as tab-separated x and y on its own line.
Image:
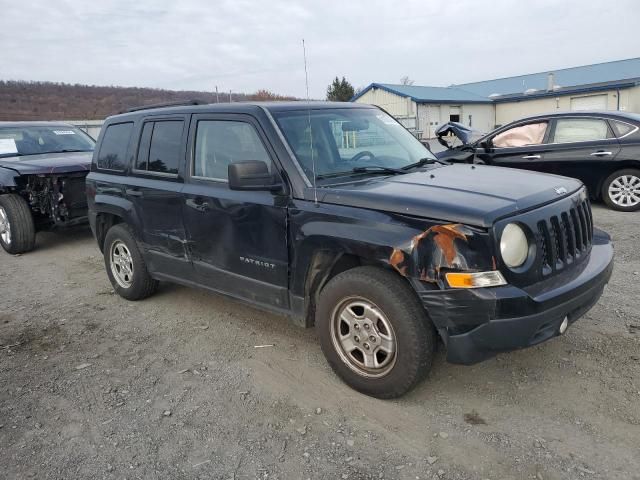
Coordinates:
560	190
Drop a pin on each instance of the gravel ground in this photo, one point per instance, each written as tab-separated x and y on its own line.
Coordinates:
93	386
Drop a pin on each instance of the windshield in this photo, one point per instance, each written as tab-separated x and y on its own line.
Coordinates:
34	140
343	139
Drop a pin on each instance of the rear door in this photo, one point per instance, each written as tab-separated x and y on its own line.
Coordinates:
582	147
154	188
237	239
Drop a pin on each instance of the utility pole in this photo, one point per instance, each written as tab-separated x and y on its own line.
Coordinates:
217	97
229	96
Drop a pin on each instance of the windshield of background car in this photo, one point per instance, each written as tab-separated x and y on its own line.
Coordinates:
341	139
35	140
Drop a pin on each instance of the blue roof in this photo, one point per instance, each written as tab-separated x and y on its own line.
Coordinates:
565	77
428	94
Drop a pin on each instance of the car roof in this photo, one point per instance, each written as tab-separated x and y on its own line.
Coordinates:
36	124
615	114
239	107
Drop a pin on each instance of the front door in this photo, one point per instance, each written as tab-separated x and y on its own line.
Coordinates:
237	239
522	146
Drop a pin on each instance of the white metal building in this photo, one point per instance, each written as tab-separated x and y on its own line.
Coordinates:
487	104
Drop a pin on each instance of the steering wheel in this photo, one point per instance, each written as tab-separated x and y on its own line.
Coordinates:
363	154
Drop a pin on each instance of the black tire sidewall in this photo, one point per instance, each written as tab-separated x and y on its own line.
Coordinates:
21	223
605	189
140	285
414	333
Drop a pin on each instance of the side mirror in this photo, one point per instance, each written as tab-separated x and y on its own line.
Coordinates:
485	145
251	175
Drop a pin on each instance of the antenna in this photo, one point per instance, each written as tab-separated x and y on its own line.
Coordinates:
313	160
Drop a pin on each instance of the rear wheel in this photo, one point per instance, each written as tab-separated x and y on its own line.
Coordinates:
621	190
17	229
125	266
374	332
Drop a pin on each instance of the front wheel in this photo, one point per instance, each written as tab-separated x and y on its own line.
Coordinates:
125	266
621	190
374	332
17	229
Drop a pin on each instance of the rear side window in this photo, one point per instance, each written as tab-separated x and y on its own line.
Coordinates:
160	147
113	149
580	130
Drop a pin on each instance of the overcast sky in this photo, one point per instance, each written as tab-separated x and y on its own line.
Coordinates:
247	45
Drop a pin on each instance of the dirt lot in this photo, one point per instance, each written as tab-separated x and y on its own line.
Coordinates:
93	386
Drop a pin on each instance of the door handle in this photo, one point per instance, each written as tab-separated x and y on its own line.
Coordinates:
532	157
601	154
133	193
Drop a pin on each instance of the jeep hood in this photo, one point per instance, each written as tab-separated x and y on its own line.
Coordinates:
49	163
470	194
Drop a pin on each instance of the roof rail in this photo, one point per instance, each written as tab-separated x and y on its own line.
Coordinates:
161	105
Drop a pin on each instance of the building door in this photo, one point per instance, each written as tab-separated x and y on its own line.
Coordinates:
590	102
455	114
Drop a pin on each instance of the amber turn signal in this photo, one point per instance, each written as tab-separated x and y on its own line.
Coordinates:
475	280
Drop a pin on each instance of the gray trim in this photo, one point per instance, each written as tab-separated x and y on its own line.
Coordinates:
158	174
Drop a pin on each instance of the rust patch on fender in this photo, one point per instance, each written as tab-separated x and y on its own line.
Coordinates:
430	251
396	260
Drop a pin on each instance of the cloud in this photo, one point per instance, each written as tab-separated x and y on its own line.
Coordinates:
246	45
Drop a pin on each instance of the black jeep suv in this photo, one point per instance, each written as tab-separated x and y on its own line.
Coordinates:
335	215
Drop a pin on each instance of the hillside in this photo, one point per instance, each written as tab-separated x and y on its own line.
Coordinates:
21	100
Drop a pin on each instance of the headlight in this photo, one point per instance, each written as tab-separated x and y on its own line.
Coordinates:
514	246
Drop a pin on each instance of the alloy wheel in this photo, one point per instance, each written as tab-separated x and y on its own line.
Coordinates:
5	227
624	191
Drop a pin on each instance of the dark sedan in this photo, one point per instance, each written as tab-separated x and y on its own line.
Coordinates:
602	149
43	166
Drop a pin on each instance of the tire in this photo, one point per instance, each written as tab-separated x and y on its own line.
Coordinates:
617	182
17	228
125	266
396	310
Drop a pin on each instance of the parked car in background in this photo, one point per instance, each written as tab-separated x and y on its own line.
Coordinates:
42	180
334	214
602	149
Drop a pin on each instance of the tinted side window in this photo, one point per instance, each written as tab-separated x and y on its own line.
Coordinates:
219	143
164	151
142	159
113	149
580	130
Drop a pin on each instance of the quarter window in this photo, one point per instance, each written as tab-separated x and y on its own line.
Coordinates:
580	130
221	142
113	149
621	128
523	135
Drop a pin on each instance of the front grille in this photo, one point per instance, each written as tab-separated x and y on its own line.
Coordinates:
566	237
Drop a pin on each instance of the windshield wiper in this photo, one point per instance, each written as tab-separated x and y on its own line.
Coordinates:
70	150
377	169
367	169
422	162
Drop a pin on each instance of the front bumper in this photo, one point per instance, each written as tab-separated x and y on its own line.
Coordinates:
477	324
